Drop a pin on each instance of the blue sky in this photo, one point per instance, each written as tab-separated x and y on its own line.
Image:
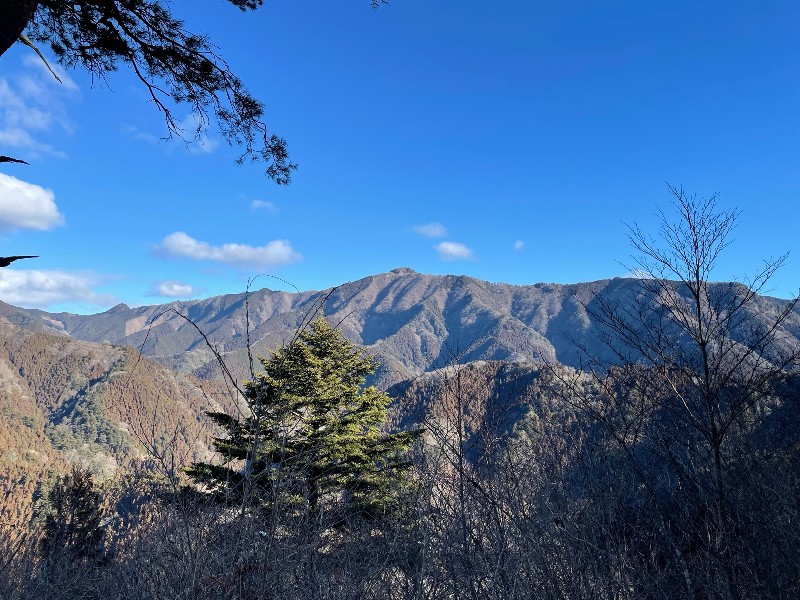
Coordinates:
508	141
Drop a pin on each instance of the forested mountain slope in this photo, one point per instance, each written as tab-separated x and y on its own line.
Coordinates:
412	322
103	407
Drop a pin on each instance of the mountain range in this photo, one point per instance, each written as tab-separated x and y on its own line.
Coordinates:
131	384
413	323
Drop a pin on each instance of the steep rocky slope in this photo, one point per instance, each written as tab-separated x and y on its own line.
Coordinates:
413	322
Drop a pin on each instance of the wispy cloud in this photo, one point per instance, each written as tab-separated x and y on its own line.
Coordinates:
139	135
33	103
264	205
192	134
276	253
453	251
198	139
26	206
40	289
431	230
173	289
34	64
519	245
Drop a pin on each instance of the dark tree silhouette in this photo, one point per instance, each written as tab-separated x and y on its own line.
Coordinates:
7	260
175	65
9	159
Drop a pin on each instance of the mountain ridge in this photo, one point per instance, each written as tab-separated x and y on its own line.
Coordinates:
412	322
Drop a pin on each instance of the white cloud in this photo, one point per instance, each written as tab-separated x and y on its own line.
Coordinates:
173	289
453	251
431	230
275	254
265	205
519	245
32	102
26	206
32	288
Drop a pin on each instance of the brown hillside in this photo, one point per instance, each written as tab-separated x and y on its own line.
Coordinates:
103	407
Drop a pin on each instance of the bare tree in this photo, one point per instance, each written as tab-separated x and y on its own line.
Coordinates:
701	367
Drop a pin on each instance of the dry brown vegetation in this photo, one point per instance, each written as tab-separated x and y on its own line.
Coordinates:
541	503
98	406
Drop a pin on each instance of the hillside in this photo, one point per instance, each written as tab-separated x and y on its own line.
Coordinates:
102	407
414	323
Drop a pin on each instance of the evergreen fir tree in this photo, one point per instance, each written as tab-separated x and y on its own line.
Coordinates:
72	524
313	439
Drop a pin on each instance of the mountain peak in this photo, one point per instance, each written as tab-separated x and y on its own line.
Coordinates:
403	271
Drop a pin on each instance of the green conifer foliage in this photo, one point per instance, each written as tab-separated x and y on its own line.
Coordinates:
72	523
314	438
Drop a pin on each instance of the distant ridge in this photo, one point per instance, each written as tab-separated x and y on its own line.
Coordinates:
413	322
